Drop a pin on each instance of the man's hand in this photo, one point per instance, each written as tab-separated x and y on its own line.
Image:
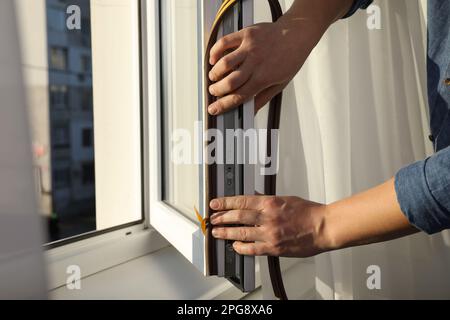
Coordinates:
293	227
261	60
274	226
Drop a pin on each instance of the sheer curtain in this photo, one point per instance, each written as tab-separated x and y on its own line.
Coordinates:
353	116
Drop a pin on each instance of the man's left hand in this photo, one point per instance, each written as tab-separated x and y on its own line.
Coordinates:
269	225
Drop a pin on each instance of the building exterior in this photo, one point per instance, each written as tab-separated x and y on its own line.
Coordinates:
71	113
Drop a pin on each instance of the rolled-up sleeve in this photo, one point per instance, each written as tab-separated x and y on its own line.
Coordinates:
357	4
423	192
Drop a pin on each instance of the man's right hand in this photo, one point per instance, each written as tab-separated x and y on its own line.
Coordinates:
259	61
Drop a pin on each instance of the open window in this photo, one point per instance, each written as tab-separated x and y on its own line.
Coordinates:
123	99
180	176
81	64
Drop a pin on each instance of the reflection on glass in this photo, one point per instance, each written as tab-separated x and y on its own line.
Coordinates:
62	124
181	100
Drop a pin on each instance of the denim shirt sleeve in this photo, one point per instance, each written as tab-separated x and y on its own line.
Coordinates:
358	4
423	192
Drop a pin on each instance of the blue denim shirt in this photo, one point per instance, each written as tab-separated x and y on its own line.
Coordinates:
423	188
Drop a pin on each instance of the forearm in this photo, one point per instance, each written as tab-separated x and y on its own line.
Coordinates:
369	217
294	227
304	24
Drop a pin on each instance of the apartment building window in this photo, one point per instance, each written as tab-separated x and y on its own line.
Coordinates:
59	96
58	58
86	31
61	178
61	137
56	19
88	173
86	98
87	138
86	64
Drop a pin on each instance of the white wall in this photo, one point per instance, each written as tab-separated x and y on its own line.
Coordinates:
21	260
32	27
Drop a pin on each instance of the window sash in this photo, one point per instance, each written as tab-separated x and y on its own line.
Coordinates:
183	233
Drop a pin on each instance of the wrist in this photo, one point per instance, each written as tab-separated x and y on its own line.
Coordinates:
325	239
302	30
315	17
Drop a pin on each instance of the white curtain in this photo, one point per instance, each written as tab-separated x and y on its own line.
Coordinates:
354	115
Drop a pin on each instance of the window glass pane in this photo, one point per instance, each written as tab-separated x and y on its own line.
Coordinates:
180	104
61	87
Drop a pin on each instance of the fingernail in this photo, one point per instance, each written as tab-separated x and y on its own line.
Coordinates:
215	233
211	90
214	204
211	76
212	110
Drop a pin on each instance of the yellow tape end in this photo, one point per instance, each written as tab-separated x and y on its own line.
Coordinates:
201	220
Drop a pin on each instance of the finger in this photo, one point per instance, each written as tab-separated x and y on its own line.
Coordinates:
227	64
246	234
250	249
230	41
238	203
239	97
266	95
231	82
245	217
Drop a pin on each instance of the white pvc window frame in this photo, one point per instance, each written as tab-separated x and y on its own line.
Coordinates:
184	234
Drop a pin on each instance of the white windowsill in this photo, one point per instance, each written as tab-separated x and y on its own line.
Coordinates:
166	274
